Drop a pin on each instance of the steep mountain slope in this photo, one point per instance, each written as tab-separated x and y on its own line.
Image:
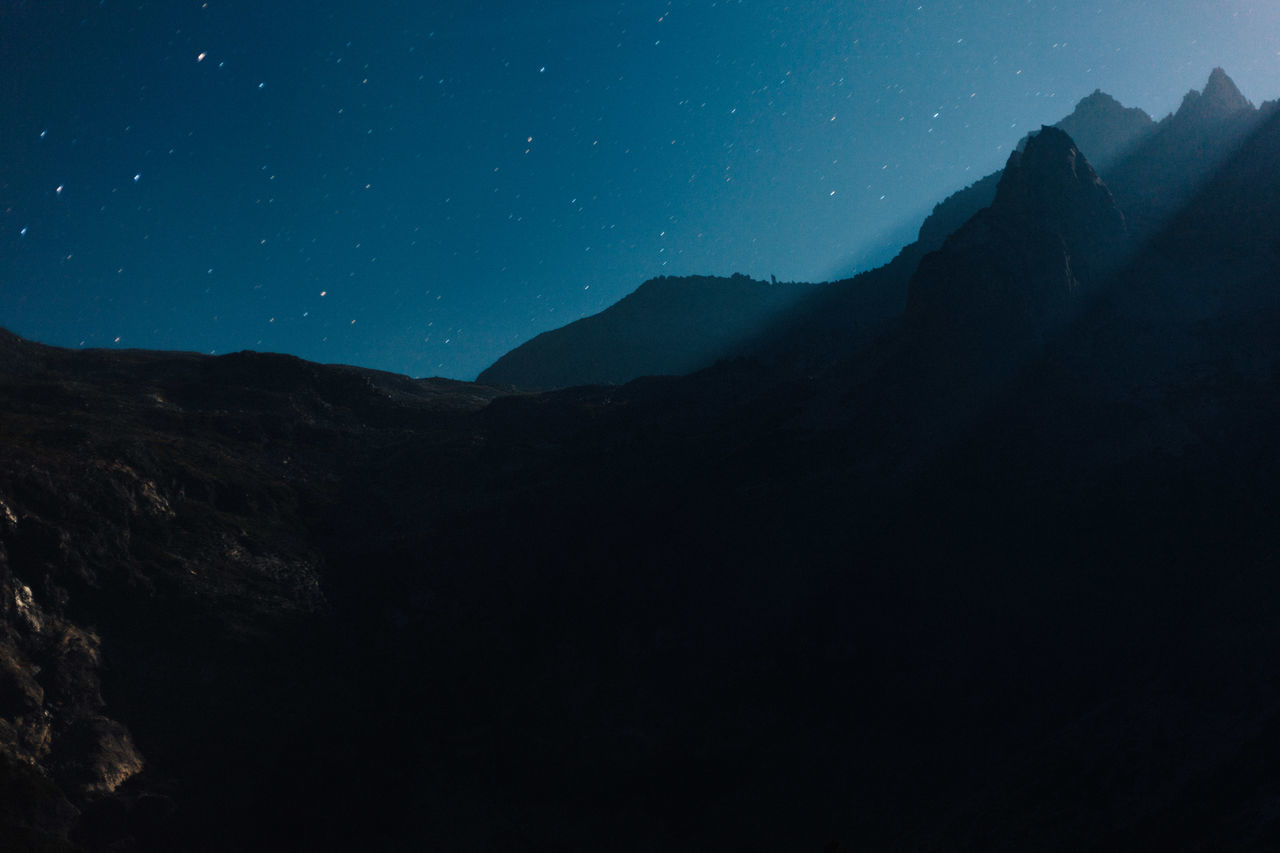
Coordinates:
1158	178
981	310
1103	130
1016	273
1141	454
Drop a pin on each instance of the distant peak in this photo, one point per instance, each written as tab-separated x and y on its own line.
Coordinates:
1098	99
1219	99
1050	153
1101	115
1103	128
1223	89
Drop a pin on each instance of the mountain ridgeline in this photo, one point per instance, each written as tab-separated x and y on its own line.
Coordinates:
1151	168
669	326
975	551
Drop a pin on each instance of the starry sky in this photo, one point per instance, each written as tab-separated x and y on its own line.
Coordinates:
421	186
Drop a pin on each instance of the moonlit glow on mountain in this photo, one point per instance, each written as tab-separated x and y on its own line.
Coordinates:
422	187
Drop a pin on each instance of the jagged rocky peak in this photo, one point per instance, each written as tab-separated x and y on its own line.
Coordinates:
1015	272
1099	106
1104	129
1052	183
1098	102
1220	99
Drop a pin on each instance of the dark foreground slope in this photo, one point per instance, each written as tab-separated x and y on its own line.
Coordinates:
254	603
163	578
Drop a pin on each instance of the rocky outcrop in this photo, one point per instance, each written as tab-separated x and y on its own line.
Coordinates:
1220	100
157	516
1016	273
1103	129
51	705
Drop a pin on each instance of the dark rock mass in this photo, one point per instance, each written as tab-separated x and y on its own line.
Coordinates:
1219	100
1016	273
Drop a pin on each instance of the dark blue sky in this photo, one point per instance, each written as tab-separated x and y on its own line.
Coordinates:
420	187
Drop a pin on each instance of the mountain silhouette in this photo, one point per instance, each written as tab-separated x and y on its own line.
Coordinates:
688	324
1104	129
982	310
993	571
668	326
1220	100
1160	176
1015	273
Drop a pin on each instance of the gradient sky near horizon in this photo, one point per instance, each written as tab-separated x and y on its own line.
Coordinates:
421	186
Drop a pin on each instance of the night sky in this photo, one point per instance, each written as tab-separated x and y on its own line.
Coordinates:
421	186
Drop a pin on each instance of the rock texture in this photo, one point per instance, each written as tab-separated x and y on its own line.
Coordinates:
1017	272
157	539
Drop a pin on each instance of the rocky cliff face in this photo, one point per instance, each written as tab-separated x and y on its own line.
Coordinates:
1105	130
1158	178
1016	273
1220	100
157	546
